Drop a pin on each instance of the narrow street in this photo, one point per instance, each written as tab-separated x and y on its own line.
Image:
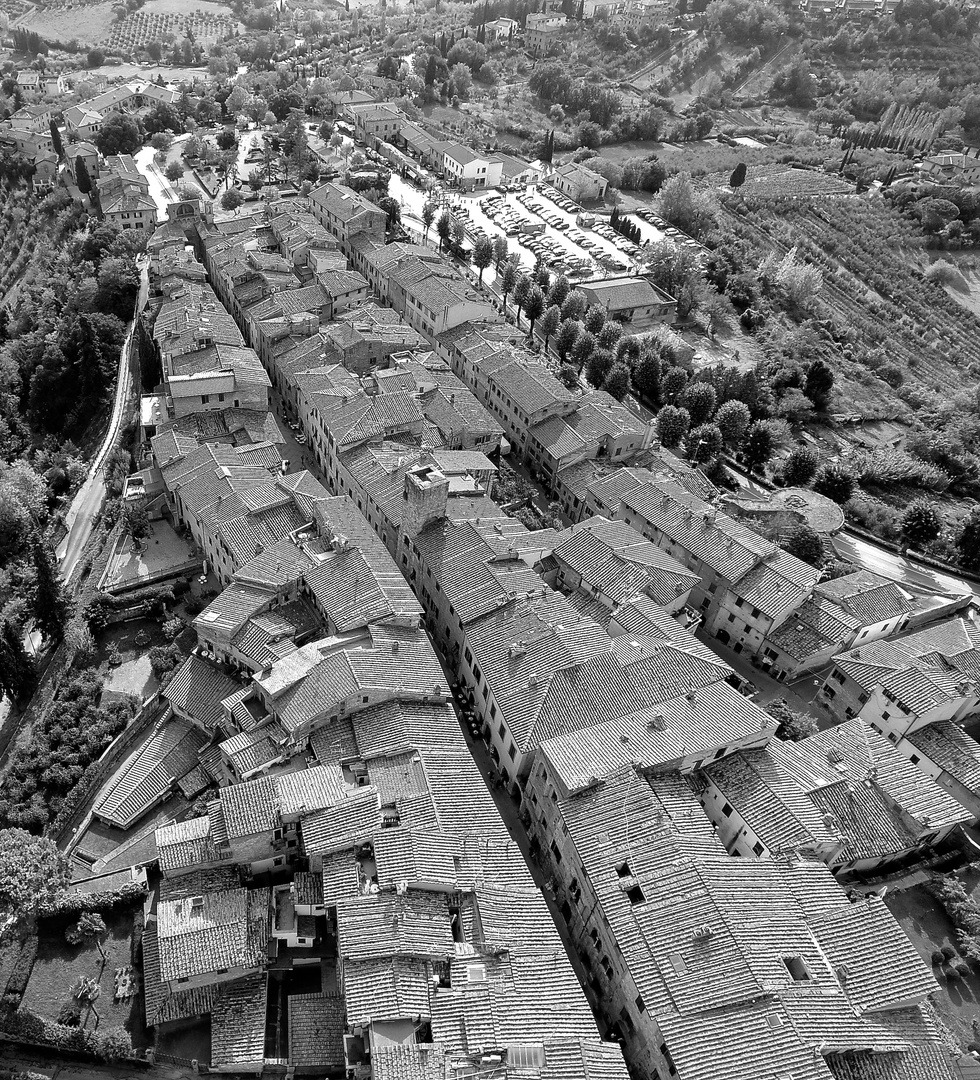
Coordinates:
88	502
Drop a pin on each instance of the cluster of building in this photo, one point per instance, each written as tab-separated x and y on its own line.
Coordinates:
122	189
348	854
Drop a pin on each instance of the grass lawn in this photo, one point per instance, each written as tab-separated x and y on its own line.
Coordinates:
929	928
59	964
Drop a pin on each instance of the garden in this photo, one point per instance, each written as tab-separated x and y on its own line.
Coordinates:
942	920
84	974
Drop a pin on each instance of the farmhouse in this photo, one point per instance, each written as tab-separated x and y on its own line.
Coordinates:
633	300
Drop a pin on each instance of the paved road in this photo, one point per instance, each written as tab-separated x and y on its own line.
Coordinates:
87	503
881	560
887	563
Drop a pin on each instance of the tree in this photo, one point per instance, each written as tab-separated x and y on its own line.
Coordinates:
428	215
835	482
737	179
806	545
617	383
533	307
800	466
595	320
793	725
17	675
583	349
392	209
56	142
135	519
90	926
759	445
568	332
499	250
819	384
568	376
33	872
704	443
936	213
733	419
598	366
232	199
672	425
921	523
549	323
82	178
51	607
574	306
558	292
507	280
444	228
522	290
700	399
119	134
482	254
609	335
673	383
95	58
647	375
174	171
968	540
679	204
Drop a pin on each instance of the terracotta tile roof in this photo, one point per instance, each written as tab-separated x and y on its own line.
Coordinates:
197	689
225	930
316	1031
171	751
238	1023
616	560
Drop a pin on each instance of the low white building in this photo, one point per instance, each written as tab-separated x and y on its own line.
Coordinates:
469	169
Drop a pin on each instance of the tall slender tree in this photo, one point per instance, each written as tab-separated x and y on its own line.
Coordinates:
51	606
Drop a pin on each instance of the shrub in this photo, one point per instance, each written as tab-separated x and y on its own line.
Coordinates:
806	545
835	482
89	925
125	896
164	659
937	957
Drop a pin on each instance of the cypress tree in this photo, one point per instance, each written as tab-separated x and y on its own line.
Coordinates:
50	604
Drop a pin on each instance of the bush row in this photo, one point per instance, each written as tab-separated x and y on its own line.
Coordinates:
103	902
112	1045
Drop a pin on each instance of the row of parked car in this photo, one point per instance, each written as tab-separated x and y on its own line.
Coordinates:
530	234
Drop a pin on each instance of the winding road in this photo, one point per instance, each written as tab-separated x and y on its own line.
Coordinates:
88	502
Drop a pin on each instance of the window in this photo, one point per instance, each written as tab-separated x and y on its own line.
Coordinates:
623	870
757	849
639	1003
221	397
797	968
726	810
205	398
678	963
556	854
914	758
635	895
837	676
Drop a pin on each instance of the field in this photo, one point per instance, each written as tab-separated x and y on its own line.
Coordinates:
883	311
162	20
59	965
87	23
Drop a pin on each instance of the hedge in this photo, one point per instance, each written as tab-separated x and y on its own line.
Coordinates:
103	902
109	1046
20	973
